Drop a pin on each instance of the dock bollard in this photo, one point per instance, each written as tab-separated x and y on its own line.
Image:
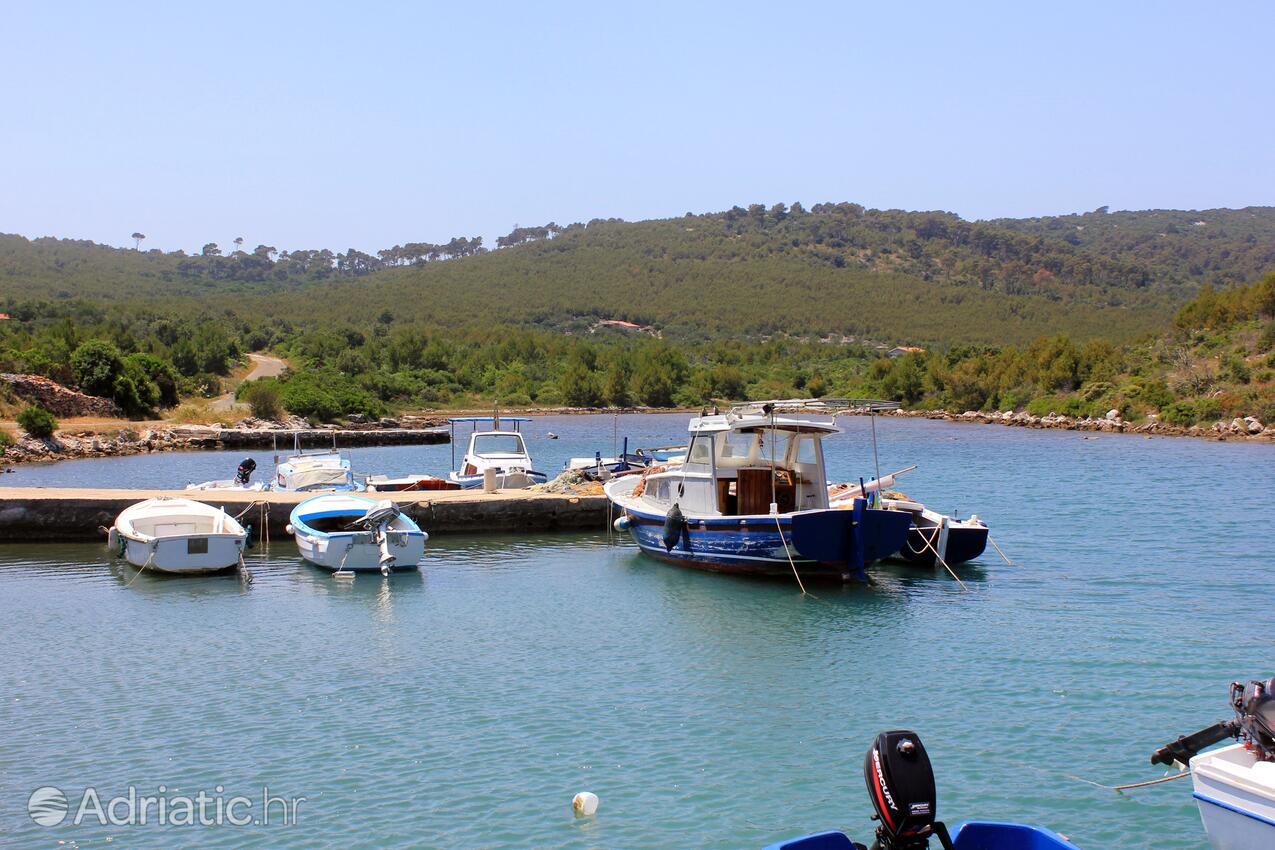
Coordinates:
489	480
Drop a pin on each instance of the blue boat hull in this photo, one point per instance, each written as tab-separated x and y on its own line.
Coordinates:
963	544
828	544
974	835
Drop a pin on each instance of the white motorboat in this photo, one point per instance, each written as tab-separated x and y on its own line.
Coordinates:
310	471
242	480
178	536
505	452
1234	785
344	532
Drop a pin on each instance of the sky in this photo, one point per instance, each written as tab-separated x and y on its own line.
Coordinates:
364	125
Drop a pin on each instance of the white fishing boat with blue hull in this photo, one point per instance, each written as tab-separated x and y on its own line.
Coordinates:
752	498
502	452
346	532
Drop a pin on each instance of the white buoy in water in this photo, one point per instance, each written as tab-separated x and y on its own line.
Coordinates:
585	804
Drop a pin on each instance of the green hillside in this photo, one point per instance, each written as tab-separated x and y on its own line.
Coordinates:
835	269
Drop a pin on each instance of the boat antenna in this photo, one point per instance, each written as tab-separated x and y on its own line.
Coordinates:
452	422
769	409
872	417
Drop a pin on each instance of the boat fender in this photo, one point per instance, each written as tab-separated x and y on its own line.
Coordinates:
674	527
247	530
288	528
585	804
113	541
622	523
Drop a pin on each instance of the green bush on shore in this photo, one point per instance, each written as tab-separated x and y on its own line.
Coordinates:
37	421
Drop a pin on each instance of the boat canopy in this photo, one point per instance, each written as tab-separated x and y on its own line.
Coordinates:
735	422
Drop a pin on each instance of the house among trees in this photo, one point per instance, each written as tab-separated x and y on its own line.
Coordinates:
627	327
900	350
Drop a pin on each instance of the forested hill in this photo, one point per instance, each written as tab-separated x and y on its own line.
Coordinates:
1194	246
931	278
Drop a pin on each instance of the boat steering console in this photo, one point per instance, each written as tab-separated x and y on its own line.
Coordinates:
1254	724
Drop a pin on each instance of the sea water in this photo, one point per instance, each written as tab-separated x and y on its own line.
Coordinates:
465	704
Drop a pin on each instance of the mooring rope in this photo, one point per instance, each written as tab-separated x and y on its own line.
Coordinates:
791	563
149	560
939	558
1008	562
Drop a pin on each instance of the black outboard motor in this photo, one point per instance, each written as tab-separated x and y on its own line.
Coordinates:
247	466
901	785
1254	724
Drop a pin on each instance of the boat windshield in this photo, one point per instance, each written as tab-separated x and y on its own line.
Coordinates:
498	444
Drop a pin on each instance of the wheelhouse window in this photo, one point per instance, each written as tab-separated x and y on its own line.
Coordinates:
701	450
498	444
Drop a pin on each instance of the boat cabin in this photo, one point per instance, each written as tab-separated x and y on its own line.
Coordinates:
737	465
491	448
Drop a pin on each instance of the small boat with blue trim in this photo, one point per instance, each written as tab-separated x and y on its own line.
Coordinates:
505	452
346	532
901	787
1234	785
751	498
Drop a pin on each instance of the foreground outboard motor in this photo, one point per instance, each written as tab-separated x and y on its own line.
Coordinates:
901	784
246	467
1254	724
377	521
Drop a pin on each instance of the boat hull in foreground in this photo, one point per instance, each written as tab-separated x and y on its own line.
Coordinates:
1236	796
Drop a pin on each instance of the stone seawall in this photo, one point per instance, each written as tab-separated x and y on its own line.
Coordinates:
72	445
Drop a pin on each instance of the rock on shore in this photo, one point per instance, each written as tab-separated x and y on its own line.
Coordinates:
1248	427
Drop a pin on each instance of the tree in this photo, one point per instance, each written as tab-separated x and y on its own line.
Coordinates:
137	241
210	250
238	244
96	364
264	400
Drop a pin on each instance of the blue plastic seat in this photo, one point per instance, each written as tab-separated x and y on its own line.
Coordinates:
817	841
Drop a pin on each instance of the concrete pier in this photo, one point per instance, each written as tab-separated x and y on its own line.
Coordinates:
64	515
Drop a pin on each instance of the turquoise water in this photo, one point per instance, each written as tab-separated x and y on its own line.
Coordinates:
464	705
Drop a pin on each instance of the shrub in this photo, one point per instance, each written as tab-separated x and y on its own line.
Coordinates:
96	364
264	400
6	441
37	421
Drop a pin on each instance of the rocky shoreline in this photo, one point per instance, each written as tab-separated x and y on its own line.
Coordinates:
1247	428
249	434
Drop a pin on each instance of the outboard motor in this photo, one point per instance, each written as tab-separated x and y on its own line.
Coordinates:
1254	724
901	784
377	521
247	466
